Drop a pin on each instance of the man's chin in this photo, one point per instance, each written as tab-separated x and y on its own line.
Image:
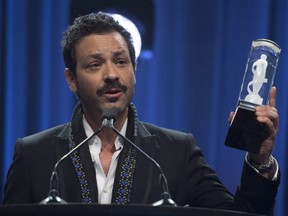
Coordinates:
118	106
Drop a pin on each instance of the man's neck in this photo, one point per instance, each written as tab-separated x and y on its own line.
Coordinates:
107	135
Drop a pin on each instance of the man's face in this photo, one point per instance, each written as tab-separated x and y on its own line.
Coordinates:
104	72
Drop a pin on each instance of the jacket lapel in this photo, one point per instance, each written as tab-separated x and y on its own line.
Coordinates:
144	168
61	148
83	178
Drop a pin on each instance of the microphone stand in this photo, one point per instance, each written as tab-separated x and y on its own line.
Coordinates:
53	196
166	197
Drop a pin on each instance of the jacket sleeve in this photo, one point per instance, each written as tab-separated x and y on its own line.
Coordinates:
205	188
17	188
255	194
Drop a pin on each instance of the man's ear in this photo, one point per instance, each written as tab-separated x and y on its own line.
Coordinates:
70	79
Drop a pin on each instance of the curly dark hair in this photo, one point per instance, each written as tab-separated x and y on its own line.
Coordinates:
82	26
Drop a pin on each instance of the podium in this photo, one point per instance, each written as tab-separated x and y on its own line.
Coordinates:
111	210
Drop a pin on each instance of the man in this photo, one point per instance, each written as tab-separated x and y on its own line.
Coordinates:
100	70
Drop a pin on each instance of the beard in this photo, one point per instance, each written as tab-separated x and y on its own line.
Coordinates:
96	103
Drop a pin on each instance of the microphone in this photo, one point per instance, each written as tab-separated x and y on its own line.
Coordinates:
53	196
109	116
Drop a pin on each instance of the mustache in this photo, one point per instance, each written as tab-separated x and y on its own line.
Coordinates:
111	85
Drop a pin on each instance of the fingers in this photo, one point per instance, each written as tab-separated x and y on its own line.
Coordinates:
231	115
269	116
267	112
272	97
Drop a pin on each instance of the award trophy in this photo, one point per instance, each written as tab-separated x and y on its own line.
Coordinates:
245	132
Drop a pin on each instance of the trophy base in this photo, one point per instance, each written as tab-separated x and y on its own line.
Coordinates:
245	132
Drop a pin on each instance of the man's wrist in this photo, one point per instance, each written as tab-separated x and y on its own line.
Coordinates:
269	169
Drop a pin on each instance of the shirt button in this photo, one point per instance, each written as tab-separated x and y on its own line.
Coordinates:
105	191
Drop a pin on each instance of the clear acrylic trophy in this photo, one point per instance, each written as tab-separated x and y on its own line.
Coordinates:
245	132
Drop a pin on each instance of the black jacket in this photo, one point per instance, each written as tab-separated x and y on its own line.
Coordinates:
191	180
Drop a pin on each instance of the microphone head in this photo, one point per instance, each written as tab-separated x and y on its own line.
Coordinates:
110	114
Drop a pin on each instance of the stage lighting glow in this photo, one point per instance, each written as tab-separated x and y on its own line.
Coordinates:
131	27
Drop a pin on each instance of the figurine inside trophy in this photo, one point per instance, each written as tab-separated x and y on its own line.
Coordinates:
259	70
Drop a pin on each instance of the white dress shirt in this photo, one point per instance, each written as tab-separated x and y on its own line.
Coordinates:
104	183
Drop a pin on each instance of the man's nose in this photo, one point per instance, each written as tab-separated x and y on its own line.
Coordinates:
111	73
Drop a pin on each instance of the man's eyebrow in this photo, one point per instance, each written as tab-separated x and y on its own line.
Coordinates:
114	53
94	55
